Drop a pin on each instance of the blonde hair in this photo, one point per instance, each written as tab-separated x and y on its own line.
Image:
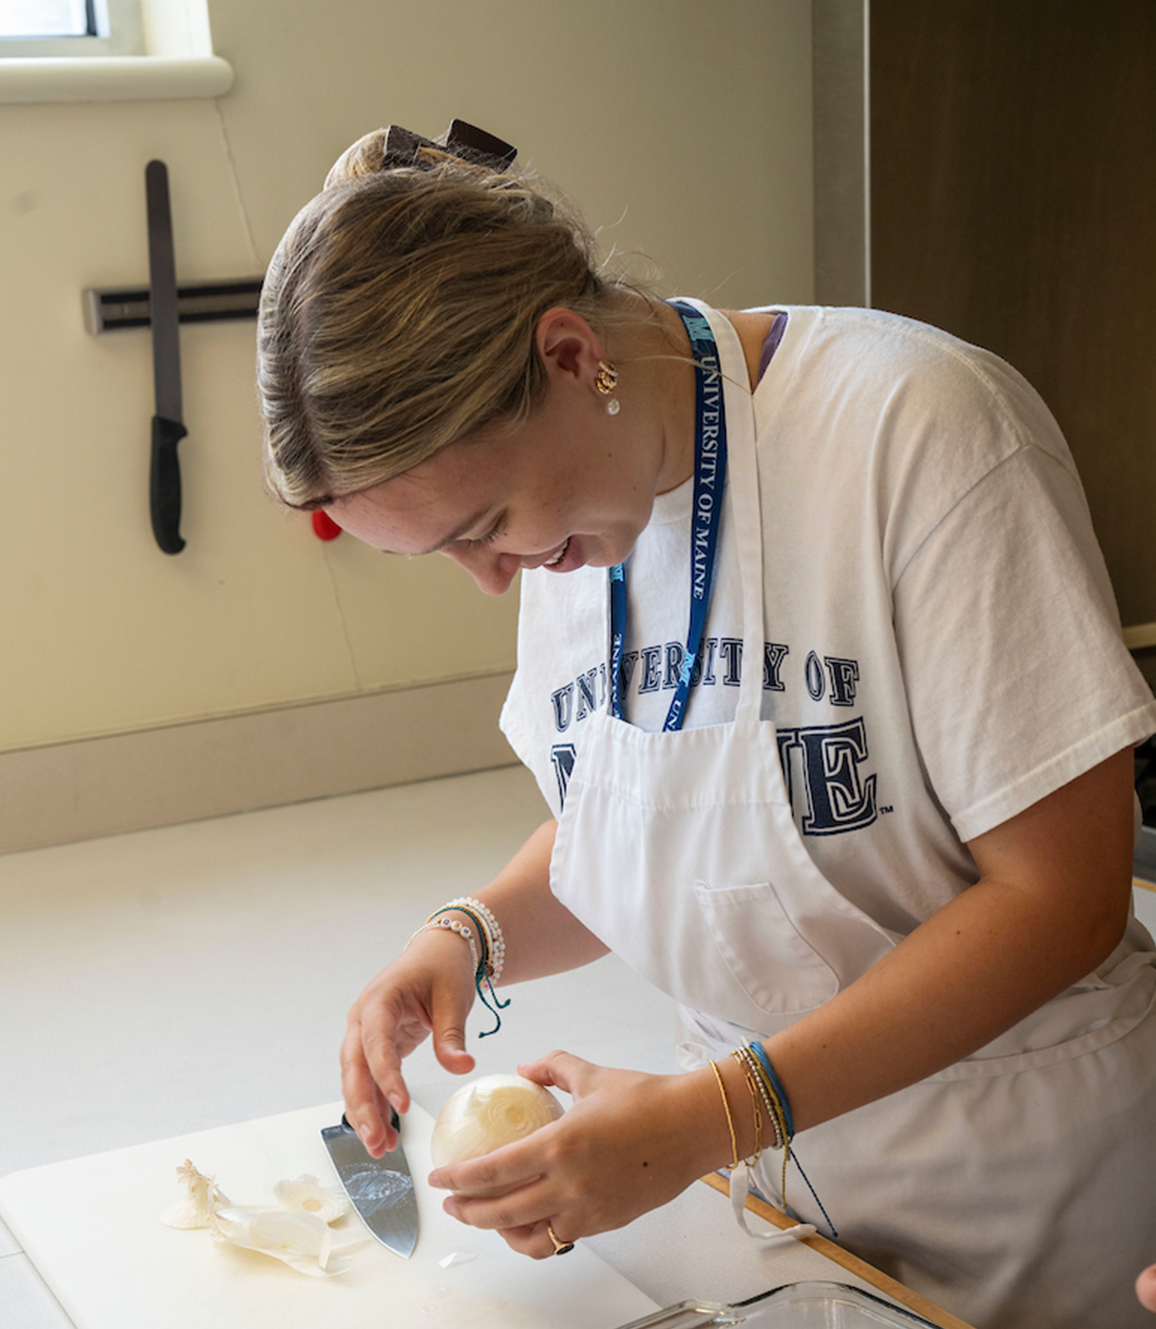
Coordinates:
399	313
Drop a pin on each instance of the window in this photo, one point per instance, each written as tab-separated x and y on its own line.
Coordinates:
149	49
35	28
47	18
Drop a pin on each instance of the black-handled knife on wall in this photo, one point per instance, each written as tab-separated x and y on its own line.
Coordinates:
168	428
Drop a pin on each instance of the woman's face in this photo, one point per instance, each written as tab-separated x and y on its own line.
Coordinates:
571	487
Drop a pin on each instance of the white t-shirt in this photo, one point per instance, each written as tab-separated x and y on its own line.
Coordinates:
943	644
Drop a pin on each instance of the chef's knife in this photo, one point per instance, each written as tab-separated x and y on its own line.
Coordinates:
380	1189
168	429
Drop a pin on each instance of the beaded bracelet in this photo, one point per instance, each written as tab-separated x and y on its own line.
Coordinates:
451	925
493	954
755	1055
759	1100
486	919
488	927
484	934
772	1080
488	966
773	1112
489	970
484	957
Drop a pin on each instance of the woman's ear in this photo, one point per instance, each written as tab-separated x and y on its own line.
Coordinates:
568	346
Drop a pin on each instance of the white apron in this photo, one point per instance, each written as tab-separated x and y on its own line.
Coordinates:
1018	1187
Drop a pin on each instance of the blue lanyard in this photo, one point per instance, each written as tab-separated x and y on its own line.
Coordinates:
710	463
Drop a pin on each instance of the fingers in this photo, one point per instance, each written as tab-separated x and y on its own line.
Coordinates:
450	1039
519	1215
511	1168
417	994
367	1104
516	1216
629	1143
560	1070
534	1240
1146	1288
378	1035
380	1060
496	1190
445	997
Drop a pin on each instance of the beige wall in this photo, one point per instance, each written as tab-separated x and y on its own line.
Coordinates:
683	128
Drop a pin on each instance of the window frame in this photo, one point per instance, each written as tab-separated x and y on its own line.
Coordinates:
119	32
175	61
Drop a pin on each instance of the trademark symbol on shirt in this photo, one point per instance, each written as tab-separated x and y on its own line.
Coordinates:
883	811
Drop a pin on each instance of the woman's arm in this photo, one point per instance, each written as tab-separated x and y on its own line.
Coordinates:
1051	904
429	988
542	935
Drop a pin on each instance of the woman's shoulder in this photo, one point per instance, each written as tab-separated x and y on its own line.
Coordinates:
878	350
907	384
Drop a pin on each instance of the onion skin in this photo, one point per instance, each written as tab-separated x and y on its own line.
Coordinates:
488	1113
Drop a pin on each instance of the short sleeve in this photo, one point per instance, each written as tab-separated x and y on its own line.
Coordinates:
1011	648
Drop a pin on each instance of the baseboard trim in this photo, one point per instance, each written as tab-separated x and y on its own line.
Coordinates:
1140	636
238	763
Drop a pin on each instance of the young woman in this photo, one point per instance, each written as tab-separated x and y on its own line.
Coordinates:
869	818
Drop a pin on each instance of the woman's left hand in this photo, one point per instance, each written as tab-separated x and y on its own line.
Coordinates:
629	1143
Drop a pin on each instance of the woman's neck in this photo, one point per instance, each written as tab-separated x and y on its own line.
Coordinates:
664	348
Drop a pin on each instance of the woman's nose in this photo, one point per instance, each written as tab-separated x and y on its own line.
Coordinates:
494	572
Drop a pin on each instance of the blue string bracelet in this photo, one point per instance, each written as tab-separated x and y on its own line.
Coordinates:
776	1084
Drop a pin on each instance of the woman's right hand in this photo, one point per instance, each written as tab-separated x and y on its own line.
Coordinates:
429	988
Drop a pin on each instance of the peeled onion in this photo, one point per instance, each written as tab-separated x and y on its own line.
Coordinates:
488	1113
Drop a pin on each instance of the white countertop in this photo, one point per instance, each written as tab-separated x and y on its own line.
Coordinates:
197	976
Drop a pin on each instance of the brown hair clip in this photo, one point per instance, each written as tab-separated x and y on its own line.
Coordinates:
403	146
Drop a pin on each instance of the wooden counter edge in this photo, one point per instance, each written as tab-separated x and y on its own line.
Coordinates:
852	1263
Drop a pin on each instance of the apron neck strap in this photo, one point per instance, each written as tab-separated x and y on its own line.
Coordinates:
746	517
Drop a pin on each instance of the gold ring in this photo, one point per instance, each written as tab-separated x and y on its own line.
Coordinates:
560	1247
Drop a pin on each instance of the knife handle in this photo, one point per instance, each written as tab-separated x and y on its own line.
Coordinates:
394	1120
165	484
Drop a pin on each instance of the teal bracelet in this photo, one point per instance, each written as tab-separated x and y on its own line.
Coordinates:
760	1052
484	973
482	931
776	1084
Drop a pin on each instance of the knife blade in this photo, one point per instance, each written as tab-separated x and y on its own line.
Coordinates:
168	428
380	1189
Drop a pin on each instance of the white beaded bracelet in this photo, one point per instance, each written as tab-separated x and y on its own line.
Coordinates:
487	969
451	925
497	942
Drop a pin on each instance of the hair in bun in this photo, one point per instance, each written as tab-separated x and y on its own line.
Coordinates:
399	310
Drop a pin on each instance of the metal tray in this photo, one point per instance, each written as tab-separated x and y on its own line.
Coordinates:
809	1305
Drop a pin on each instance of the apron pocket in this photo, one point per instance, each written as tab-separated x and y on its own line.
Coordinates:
773	964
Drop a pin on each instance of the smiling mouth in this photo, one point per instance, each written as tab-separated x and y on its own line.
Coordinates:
558	557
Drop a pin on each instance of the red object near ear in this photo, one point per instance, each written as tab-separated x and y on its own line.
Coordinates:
324	527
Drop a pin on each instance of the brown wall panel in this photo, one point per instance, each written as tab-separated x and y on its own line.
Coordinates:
1013	202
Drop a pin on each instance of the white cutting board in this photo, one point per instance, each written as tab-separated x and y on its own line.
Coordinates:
91	1228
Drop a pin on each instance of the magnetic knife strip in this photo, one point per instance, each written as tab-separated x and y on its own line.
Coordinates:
113	308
